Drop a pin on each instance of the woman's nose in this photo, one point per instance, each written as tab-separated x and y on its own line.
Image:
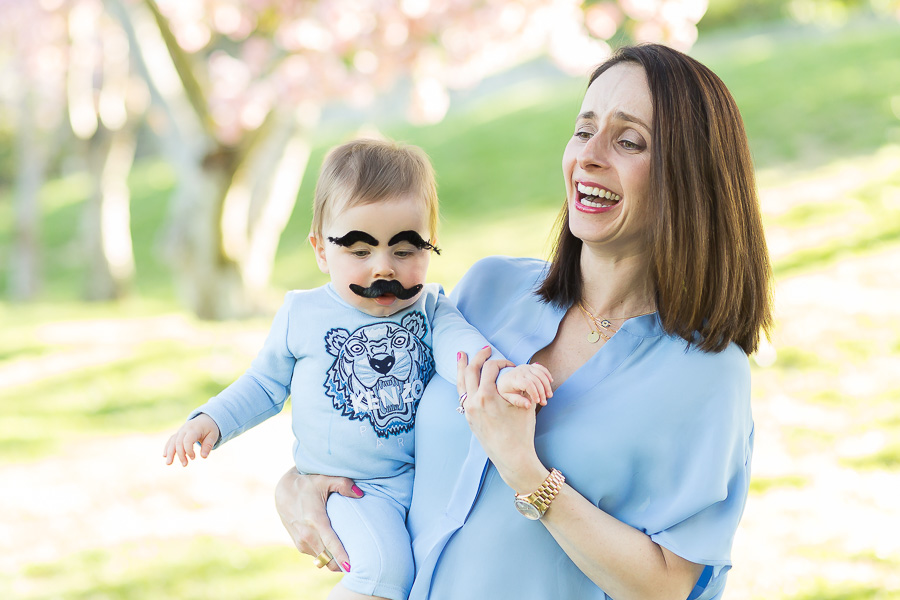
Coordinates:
593	153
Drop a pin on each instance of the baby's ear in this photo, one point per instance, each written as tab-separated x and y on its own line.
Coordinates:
318	246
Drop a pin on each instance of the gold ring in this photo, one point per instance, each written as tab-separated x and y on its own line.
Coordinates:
323	559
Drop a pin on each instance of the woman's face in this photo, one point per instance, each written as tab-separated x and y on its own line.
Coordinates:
606	164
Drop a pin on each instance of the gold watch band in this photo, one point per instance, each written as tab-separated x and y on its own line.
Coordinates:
544	495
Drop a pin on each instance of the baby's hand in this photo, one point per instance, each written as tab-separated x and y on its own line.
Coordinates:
522	385
201	429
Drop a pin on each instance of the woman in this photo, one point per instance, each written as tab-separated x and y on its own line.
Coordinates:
637	470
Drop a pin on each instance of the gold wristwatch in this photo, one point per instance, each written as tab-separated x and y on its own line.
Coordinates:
534	505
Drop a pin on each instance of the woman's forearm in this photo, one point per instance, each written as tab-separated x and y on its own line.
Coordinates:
624	562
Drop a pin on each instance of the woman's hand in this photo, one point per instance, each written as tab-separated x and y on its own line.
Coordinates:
506	432
300	500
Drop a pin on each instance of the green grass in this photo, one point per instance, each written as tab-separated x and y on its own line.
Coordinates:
761	485
811	95
196	569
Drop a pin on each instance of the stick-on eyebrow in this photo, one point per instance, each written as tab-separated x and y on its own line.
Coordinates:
413	238
351	237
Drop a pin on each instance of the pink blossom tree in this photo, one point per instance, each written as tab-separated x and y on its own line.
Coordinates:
244	83
236	88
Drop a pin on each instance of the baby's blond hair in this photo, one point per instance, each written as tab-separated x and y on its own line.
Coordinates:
367	170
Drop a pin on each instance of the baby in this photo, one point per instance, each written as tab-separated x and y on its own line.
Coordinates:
356	354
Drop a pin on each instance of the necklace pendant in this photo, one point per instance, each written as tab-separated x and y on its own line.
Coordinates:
605	323
593	337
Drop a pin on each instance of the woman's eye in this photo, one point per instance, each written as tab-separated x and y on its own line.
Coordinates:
583	135
629	145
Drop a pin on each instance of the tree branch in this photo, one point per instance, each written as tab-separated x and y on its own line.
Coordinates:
182	62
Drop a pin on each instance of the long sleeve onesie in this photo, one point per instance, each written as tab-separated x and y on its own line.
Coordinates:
355	381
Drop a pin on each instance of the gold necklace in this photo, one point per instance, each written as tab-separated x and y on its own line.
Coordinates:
594	336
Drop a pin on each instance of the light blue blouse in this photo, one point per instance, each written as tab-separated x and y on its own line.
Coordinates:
655	433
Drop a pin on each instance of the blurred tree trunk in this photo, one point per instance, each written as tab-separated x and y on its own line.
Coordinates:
107	215
24	267
232	201
103	111
227	216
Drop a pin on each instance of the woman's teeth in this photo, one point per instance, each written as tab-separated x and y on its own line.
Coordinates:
599	194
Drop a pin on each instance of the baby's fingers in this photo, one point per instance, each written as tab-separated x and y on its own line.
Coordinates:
183	447
169	450
191	438
517	400
535	390
209	440
546	380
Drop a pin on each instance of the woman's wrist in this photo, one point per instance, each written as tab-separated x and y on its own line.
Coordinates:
527	478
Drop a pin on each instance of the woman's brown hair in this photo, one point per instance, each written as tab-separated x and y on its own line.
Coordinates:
708	255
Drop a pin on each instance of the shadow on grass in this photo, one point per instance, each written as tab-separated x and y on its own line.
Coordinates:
181	568
146	393
886	459
814	258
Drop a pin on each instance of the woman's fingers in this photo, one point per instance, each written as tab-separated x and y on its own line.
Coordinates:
340	556
486	378
462	361
300	500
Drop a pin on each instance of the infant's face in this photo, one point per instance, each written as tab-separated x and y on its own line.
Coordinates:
384	240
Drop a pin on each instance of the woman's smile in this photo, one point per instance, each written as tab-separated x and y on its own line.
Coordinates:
592	197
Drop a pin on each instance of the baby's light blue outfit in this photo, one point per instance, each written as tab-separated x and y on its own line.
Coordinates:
355	381
655	433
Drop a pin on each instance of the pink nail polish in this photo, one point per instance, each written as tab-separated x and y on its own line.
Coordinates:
346	566
358	492
458	356
488	346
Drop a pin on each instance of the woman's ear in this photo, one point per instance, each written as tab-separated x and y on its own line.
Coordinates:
319	250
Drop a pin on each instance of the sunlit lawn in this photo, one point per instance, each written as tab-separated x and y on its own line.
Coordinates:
819	106
179	569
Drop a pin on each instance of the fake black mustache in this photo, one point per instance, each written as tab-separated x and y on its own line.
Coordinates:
380	287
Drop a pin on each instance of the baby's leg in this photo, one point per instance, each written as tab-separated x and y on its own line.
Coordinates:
373	531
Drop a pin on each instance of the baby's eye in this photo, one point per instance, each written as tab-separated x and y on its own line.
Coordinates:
405	251
360	253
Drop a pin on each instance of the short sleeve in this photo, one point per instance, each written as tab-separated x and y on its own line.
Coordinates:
706	537
703	478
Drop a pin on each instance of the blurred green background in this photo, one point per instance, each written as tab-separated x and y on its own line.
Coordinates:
90	391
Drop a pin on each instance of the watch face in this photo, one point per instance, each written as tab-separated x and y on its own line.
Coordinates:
528	509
